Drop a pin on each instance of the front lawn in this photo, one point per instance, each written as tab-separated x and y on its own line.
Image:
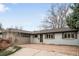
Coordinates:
9	51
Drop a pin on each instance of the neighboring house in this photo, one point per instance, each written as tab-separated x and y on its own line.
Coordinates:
63	36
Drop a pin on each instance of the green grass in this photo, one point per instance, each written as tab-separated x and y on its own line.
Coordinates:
9	52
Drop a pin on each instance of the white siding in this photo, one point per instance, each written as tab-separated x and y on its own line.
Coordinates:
0	35
35	40
58	36
58	40
78	35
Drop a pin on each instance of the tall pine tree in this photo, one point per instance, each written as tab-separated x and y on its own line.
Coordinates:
73	18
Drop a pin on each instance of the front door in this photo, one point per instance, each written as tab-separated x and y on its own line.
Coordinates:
41	37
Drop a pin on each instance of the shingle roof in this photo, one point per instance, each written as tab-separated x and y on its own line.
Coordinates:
55	30
41	31
17	30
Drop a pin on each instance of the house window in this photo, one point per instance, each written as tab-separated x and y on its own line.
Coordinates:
65	35
0	33
69	35
35	36
49	36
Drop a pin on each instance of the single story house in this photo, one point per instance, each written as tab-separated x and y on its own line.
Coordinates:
63	36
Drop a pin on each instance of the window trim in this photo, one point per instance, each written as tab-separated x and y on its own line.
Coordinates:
69	37
50	36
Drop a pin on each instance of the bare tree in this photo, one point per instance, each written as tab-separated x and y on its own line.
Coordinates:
57	15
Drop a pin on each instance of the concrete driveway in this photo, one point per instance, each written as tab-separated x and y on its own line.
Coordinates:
35	52
46	50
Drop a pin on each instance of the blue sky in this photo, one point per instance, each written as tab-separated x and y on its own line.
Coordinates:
28	16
